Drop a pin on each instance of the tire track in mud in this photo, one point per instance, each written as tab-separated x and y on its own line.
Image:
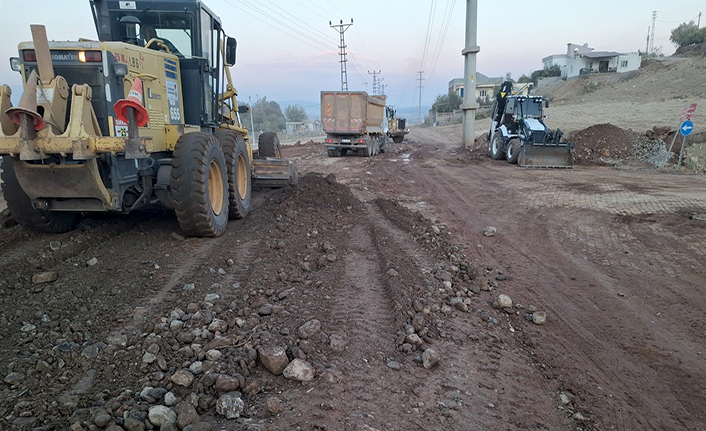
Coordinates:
576	318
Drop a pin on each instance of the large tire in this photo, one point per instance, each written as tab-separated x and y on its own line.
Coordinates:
269	146
200	185
513	150
397	139
385	144
496	147
239	172
20	206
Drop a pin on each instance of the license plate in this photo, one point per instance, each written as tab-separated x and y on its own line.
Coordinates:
346	141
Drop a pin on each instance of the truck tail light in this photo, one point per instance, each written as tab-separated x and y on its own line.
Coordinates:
330	141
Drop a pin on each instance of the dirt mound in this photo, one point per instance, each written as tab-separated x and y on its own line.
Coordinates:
696	50
605	144
603	141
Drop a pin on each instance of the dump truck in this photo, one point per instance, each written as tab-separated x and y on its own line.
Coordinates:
354	122
397	126
519	135
147	113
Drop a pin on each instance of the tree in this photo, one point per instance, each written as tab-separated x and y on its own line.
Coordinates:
296	113
687	34
554	70
524	79
267	115
447	102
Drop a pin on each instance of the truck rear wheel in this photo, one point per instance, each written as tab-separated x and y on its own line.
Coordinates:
269	146
239	172
20	206
496	147
200	185
397	139
513	150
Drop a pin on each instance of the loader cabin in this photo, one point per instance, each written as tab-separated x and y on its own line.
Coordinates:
189	30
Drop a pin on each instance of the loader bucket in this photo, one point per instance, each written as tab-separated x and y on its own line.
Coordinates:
546	156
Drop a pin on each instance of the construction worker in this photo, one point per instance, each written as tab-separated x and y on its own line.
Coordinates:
148	33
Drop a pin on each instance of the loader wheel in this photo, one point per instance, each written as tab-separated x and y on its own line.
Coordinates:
20	206
398	139
513	150
200	185
496	147
269	145
239	172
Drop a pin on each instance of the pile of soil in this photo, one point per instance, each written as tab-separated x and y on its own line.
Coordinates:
696	50
596	144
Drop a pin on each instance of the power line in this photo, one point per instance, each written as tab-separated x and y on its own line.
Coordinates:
442	37
283	23
259	18
313	29
430	23
260	14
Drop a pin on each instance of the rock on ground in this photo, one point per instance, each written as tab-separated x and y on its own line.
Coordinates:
430	358
299	370
274	358
230	406
309	328
160	415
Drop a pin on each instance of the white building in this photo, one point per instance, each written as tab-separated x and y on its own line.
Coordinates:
582	60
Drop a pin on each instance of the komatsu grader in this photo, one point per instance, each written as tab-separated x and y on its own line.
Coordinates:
148	112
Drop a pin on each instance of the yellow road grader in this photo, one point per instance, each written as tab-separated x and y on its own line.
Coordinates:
85	137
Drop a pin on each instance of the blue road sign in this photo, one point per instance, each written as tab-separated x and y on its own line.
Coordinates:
686	128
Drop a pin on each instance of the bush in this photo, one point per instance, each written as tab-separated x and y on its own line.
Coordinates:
687	34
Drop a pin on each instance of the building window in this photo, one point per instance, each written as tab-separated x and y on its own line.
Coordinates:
483	93
462	93
624	63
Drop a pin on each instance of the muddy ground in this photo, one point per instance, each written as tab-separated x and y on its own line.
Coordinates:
369	270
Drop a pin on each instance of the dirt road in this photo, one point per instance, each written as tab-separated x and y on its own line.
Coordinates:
358	274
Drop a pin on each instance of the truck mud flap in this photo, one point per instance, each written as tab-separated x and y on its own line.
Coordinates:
546	156
271	172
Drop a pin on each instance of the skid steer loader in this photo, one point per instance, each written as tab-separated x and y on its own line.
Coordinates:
148	112
518	133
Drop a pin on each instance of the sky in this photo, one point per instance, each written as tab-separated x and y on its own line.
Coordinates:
288	52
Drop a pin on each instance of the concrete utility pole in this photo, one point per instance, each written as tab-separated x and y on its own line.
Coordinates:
341	29
647	46
469	73
382	87
420	79
699	23
375	80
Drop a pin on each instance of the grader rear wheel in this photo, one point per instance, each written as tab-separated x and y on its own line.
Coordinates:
239	172
20	206
200	185
269	146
